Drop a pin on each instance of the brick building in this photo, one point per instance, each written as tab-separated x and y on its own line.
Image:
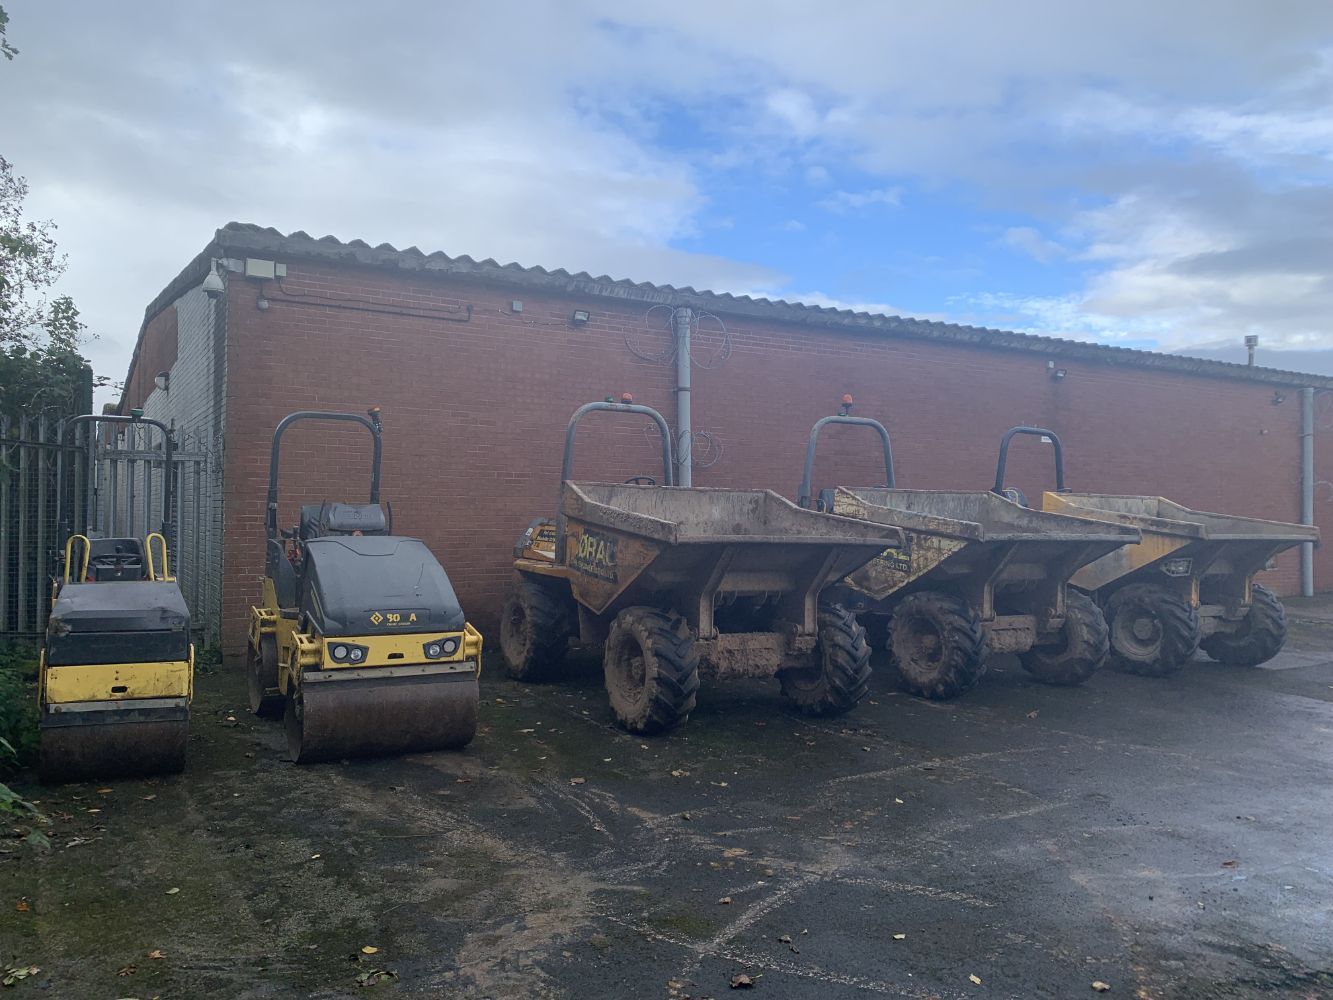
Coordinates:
477	367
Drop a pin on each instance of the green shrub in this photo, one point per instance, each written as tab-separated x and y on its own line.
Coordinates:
18	703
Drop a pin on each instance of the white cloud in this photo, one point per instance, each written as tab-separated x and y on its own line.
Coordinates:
842	202
1028	240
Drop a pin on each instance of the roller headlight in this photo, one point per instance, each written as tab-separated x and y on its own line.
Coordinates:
439	649
347	652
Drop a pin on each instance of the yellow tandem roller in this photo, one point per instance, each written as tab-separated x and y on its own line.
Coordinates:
117	667
359	642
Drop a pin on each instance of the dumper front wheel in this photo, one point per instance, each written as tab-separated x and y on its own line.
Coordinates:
262	674
534	631
652	670
1154	631
1081	649
937	644
843	676
1260	637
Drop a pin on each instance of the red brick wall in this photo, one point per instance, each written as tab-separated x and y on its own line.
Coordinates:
475	413
157	353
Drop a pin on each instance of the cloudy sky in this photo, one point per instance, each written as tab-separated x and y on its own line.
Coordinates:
1154	174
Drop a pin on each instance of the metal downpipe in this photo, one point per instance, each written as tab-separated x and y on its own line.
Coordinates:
1307	488
684	425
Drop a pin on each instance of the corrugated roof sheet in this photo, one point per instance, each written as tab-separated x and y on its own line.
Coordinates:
245	238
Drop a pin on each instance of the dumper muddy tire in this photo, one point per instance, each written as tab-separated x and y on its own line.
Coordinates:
652	670
1260	637
535	628
1081	650
1154	631
262	677
842	679
937	645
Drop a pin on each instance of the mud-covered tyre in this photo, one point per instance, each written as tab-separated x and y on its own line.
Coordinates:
652	670
1082	647
535	628
843	677
261	669
1154	631
1261	635
937	645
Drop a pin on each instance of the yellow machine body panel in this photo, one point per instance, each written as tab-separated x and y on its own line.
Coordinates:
896	566
401	650
603	562
1127	559
117	681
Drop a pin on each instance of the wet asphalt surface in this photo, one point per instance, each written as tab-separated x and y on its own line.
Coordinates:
1167	838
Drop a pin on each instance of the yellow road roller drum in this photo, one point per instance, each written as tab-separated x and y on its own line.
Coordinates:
360	642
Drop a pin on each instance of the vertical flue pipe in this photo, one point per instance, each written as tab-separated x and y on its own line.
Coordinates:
684	426
1307	488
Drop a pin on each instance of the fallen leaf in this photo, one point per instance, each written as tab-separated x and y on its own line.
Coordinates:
149	798
725	900
1230	864
315	857
784	939
372	976
157	954
462	781
527	730
94	810
680	774
1100	986
105	791
172	891
22	906
578	781
369	949
734	852
898	802
976	980
1032	714
740	981
15	973
899	937
126	970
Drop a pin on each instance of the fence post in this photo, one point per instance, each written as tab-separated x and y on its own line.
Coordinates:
5	530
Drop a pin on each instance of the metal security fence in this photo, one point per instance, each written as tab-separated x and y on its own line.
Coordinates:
111	480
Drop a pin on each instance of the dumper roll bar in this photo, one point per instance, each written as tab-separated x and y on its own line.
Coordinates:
136	417
567	466
805	494
370	422
1036	432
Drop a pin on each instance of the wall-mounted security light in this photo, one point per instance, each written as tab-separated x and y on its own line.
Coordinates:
516	306
1056	374
213	286
162	380
1278	398
580	317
